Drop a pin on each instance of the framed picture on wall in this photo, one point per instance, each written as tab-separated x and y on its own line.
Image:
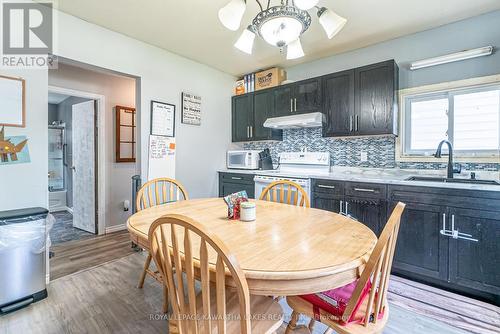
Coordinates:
12	102
191	109
126	134
162	119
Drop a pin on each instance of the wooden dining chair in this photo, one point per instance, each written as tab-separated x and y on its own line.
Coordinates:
156	192
287	192
180	245
360	307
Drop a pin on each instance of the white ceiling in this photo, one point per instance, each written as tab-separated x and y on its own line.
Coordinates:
191	27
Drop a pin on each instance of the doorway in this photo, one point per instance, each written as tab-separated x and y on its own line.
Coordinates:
73	160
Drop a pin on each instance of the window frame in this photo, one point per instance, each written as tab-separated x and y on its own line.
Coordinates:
439	91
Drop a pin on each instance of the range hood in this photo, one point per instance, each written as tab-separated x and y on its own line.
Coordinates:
311	120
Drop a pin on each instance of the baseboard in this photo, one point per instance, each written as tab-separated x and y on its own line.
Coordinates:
116	228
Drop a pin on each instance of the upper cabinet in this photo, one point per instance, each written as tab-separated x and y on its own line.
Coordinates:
307	96
242	117
356	102
338	104
264	108
249	112
376	102
298	98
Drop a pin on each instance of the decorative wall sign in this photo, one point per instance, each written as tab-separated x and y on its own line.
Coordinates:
13	150
126	134
12	102
162	119
191	109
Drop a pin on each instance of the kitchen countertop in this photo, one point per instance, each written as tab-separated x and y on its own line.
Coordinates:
386	176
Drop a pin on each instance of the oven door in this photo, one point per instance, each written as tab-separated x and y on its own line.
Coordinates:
261	182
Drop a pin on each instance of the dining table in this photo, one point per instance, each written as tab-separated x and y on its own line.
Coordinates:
287	250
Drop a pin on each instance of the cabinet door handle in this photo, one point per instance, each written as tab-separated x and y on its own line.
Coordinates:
295	103
350	123
346	212
341	204
356	124
236	178
325	186
365	190
291	105
248	132
251	131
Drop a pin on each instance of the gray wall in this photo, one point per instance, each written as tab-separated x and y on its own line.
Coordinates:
53	115
471	33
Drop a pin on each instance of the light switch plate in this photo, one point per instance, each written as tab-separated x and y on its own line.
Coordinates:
364	156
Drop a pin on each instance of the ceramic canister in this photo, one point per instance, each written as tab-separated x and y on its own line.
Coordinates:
247	211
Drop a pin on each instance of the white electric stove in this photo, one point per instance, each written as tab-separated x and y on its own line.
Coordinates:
295	167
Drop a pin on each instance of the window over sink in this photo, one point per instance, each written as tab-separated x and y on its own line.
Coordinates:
468	117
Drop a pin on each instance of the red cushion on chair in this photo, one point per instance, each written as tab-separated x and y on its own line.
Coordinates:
335	301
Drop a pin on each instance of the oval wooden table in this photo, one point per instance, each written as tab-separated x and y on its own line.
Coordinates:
288	250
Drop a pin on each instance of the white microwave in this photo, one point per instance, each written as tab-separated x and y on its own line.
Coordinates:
243	159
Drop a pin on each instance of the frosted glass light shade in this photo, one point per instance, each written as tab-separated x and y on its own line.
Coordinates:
280	31
332	22
245	42
231	14
305	4
294	50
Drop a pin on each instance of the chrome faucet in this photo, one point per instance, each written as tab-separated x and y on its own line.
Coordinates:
450	169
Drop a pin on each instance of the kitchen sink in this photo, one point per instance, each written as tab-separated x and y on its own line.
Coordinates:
447	180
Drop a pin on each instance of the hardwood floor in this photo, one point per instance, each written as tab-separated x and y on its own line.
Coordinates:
104	299
73	256
466	313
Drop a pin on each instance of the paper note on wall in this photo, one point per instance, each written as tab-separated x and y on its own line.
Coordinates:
161	157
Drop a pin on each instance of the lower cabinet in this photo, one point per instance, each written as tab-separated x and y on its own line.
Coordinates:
230	183
420	248
372	213
450	239
363	202
474	255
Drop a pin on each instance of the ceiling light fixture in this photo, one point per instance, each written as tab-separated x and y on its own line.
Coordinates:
281	25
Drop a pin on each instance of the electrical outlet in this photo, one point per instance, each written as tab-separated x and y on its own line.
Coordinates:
364	156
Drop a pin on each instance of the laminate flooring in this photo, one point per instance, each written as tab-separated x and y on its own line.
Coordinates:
104	299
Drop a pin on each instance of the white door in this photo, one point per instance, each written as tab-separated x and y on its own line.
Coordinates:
83	127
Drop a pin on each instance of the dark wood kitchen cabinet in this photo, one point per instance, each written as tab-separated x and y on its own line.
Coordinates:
338	103
473	262
361	101
264	108
298	98
376	109
249	112
283	100
230	183
242	117
355	102
371	213
420	248
451	260
307	96
362	202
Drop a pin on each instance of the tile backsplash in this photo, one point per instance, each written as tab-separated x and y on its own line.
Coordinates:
380	150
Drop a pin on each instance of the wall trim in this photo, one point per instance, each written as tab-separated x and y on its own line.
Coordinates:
116	228
101	151
436	88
